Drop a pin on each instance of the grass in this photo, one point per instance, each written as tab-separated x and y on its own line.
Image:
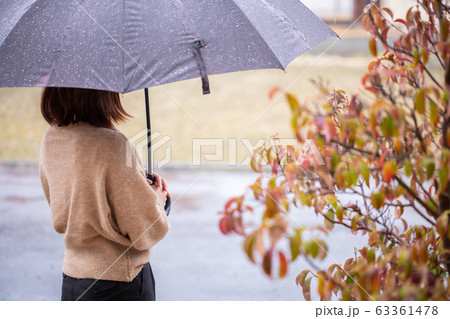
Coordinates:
236	101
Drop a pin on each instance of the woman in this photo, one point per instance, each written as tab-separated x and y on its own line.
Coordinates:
99	197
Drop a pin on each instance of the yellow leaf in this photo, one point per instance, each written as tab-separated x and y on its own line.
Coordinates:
442	224
295	242
248	246
373	47
389	170
293	102
444	29
398	145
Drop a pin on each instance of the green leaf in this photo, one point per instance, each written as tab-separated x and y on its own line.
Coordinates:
339	213
312	247
328	224
365	172
371	255
442	174
332	201
388	127
295	243
347	295
442	224
335	159
427	163
434	114
377	200
430	170
419	102
351	177
408	168
249	242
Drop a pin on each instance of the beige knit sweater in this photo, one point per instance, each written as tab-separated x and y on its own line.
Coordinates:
95	184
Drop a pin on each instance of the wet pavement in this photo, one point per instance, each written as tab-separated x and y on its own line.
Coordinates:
194	262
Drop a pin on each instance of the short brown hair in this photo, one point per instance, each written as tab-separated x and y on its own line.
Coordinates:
64	106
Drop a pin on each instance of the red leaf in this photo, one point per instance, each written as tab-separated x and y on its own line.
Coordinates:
275	169
402	22
267	263
273	91
283	264
223	226
300	279
238	226
384	36
231	201
307	289
388	11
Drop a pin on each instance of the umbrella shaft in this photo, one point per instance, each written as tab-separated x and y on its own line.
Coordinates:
149	134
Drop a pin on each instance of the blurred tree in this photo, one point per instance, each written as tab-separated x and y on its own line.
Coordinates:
386	155
358	7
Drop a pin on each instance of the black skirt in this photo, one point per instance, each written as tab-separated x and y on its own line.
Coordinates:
141	288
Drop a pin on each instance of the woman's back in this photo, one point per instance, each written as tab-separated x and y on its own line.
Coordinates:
99	197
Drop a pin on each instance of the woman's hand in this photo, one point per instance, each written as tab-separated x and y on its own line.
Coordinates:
160	188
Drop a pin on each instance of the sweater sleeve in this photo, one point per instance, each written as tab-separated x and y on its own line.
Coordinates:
134	204
44	182
42	173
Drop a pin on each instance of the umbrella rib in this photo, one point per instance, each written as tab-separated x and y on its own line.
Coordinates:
34	4
123	41
135	61
280	65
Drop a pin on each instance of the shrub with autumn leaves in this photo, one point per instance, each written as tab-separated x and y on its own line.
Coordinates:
380	157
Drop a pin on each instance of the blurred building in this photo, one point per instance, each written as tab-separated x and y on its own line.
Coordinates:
331	10
349	10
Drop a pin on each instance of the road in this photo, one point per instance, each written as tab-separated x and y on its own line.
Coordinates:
194	262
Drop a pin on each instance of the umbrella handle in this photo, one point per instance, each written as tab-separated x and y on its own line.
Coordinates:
168	205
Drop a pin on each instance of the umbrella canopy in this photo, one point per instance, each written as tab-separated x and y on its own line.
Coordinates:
125	45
